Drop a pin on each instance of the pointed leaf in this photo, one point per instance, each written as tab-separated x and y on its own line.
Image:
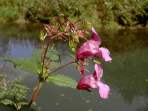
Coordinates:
62	80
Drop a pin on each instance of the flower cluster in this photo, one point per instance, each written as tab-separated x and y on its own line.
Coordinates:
91	48
63	29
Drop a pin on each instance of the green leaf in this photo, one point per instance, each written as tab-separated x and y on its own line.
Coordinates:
29	64
53	55
72	45
42	36
32	64
62	80
7	102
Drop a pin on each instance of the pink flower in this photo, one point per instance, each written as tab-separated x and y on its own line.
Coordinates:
88	49
103	90
94	81
91	48
82	70
95	36
98	73
105	54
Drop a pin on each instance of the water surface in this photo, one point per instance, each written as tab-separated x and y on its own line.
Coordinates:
127	75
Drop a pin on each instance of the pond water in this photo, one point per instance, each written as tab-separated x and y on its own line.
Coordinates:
127	75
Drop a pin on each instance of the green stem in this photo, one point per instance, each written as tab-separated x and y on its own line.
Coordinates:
44	56
37	88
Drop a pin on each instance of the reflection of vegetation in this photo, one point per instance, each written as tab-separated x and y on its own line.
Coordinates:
128	73
99	12
125	40
23	31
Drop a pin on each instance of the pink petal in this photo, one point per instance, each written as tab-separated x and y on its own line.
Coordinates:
88	49
103	90
87	82
105	54
95	36
98	73
82	70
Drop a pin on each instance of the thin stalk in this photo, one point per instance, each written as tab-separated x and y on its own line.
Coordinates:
36	92
39	83
44	56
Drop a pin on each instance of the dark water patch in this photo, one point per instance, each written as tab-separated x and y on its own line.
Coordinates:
125	40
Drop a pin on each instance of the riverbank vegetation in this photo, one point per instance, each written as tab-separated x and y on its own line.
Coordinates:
101	13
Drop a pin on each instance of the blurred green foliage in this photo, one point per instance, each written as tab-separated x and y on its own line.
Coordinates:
13	94
100	13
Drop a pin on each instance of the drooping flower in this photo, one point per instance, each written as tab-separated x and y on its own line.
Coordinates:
95	36
91	48
105	54
98	73
93	81
103	90
88	49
